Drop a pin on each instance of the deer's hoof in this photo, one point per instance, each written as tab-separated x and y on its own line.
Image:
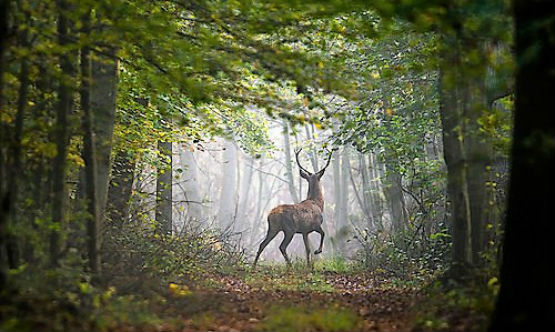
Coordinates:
317	252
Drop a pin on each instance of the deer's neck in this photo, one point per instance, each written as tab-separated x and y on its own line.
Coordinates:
315	194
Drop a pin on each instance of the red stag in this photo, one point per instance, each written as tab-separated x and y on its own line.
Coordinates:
304	217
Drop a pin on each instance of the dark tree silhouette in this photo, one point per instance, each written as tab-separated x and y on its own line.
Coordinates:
527	282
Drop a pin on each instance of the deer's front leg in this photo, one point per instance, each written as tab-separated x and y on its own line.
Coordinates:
321	231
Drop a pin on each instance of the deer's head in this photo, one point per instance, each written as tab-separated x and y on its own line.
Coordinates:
313	179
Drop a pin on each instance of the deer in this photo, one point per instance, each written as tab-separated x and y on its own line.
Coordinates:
304	217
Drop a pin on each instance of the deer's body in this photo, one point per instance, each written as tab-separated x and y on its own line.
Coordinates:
304	217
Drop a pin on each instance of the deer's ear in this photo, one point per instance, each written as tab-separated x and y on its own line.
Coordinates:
304	175
320	173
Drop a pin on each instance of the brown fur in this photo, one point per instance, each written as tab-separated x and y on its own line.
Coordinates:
304	217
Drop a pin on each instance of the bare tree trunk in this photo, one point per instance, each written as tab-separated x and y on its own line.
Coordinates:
478	151
360	199
288	161
336	166
309	129
345	167
226	216
103	103
246	180
5	8
121	187
164	189
396	200
191	185
64	109
457	170
12	245
258	216
525	300
376	188
89	156
366	192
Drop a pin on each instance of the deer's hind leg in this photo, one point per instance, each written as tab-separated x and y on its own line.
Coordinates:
269	237
283	246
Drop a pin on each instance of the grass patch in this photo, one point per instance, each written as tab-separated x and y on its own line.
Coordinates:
337	265
295	278
467	308
294	318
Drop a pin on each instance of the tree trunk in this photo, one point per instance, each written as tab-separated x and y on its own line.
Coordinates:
336	166
309	129
103	103
89	156
226	214
288	161
121	187
360	197
163	214
376	191
454	155
345	166
191	185
61	134
246	180
525	299
12	245
5	7
395	198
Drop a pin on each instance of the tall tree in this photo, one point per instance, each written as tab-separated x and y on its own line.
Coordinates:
64	109
121	187
15	174
164	201
89	153
191	184
103	104
226	215
288	161
527	282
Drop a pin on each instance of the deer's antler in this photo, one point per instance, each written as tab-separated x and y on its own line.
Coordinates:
299	163
327	162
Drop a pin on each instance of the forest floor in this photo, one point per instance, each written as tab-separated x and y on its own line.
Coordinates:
278	299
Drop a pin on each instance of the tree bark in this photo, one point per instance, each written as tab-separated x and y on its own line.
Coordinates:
226	214
12	245
121	187
191	185
61	130
454	155
89	156
103	104
5	7
376	191
345	166
525	299
163	214
246	181
395	198
288	161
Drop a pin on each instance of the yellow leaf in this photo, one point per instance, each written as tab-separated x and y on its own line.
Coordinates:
389	112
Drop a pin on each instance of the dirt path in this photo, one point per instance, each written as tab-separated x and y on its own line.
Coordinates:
326	301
